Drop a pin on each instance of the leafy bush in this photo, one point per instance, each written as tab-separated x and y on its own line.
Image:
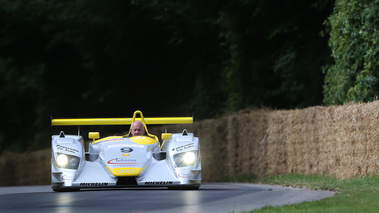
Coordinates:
354	40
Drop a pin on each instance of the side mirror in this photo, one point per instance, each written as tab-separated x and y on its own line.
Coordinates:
166	136
94	135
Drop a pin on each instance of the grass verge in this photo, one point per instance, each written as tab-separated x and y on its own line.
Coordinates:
352	195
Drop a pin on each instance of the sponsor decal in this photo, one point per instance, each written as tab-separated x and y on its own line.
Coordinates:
126	150
113	140
67	177
122	161
93	184
158	182
116	145
67	149
126	171
184	175
123	145
183	147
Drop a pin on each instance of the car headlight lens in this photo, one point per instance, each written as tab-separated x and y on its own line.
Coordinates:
189	158
62	160
67	161
185	159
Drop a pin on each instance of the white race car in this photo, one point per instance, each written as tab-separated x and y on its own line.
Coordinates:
125	161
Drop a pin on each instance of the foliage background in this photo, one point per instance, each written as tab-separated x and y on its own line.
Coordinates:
95	58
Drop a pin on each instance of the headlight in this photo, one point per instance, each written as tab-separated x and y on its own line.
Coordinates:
185	159
189	158
62	160
67	161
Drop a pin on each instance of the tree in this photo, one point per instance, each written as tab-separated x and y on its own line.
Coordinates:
276	53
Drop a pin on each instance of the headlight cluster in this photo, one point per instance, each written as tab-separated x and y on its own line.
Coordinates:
185	159
67	161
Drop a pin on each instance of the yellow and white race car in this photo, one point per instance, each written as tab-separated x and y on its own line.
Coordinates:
125	161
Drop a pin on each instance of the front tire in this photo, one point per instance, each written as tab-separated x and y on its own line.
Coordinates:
68	189
183	187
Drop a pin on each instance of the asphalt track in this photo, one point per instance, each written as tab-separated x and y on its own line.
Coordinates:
211	197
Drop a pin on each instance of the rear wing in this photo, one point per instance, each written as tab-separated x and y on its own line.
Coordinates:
120	121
